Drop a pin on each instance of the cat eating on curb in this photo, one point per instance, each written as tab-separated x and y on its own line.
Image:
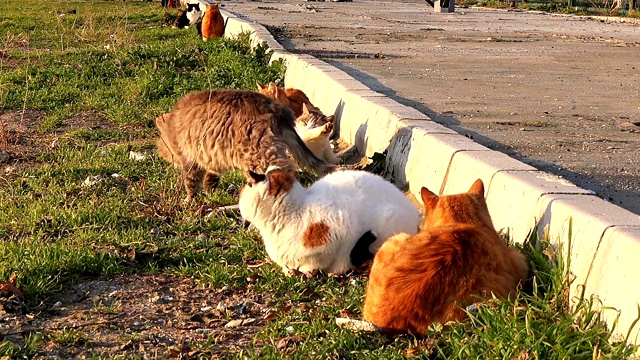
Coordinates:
334	225
295	99
317	140
312	118
455	260
212	131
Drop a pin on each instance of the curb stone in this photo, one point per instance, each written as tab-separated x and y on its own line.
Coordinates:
605	239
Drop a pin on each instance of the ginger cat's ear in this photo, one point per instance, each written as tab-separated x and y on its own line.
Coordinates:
260	86
279	181
305	109
477	188
331	118
257	177
428	198
273	87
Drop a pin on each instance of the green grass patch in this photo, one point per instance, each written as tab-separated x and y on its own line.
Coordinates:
119	59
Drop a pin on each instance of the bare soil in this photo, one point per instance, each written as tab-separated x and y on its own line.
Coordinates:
561	93
149	316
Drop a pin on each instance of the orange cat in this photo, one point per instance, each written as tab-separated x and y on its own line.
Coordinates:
455	260
273	91
213	24
294	99
297	99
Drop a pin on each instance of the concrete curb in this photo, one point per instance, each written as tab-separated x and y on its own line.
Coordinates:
605	239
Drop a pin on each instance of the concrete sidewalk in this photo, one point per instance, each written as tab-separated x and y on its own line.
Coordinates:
605	239
560	93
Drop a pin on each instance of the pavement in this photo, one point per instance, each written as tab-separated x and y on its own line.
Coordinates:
560	93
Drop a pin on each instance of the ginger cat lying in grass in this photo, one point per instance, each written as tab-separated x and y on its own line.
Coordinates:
455	260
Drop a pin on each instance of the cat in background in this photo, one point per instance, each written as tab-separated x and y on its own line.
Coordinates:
317	140
455	260
334	225
188	17
212	131
295	99
212	24
313	126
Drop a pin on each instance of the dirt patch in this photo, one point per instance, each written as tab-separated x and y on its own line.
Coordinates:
22	140
151	316
557	92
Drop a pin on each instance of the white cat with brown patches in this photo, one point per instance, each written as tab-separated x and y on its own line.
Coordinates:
335	225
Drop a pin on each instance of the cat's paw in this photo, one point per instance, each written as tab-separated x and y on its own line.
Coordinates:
187	200
305	275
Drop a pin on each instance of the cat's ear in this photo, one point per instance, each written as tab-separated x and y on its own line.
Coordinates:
327	128
279	181
330	118
428	198
305	109
260	86
273	87
256	178
477	188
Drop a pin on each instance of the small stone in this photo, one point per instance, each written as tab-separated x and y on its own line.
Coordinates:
290	329
56	305
221	306
133	155
239	322
4	157
356	325
92	180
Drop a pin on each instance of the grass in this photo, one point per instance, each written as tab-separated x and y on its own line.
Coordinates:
593	8
116	62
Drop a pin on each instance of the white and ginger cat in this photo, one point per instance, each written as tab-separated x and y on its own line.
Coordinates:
455	260
335	225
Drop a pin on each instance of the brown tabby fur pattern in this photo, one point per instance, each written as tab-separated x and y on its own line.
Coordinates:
456	259
212	131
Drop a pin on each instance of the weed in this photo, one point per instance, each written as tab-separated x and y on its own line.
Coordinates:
67	337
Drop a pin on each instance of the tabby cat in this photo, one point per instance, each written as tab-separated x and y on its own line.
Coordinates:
455	260
334	225
212	131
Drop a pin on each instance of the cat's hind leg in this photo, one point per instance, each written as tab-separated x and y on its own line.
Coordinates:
210	182
193	178
360	252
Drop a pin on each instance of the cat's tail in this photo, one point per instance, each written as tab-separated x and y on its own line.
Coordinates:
301	153
224	27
